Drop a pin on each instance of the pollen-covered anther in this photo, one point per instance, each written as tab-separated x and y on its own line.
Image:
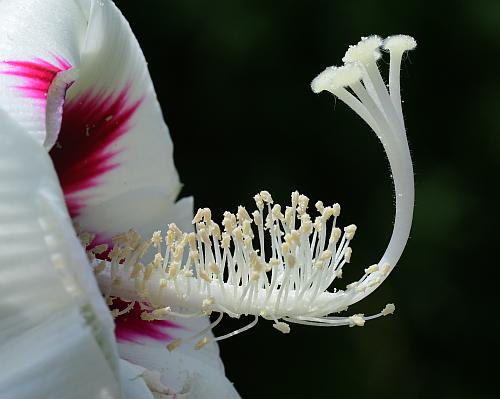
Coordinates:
99	249
191	239
293	238
247	229
319	264
86	238
214	268
198	217
243	215
225	241
158	260
174	344
385	269
326	255
204	275
350	231
266	197
303	203
259	202
283	270
193	256
156	239
289	215
207	215
173	227
371	269
318	225
348	254
389	309
335	235
327	213
282	327
276	212
201	343
214	229
158	314
173	269
207	305
306	228
357	320
273	262
203	235
147	316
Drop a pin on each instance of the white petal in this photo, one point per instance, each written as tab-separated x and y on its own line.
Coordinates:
198	373
59	358
34	34
50	305
185	368
125	169
133	385
112	111
185	374
144	210
140	192
100	156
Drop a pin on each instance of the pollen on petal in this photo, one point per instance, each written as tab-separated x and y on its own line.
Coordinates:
85	151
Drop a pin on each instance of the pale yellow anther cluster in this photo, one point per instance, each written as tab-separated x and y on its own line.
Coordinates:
268	264
389	309
357	320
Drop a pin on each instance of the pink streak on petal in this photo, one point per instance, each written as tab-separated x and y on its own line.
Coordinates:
37	76
91	124
130	327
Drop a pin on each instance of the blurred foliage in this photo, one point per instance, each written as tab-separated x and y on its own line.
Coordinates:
233	80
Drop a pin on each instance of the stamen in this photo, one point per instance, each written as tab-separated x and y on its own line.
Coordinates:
229	272
115	312
238	331
282	327
200	344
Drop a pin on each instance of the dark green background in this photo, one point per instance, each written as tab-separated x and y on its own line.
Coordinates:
233	80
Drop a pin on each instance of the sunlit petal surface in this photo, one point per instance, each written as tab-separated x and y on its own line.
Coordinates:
54	325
